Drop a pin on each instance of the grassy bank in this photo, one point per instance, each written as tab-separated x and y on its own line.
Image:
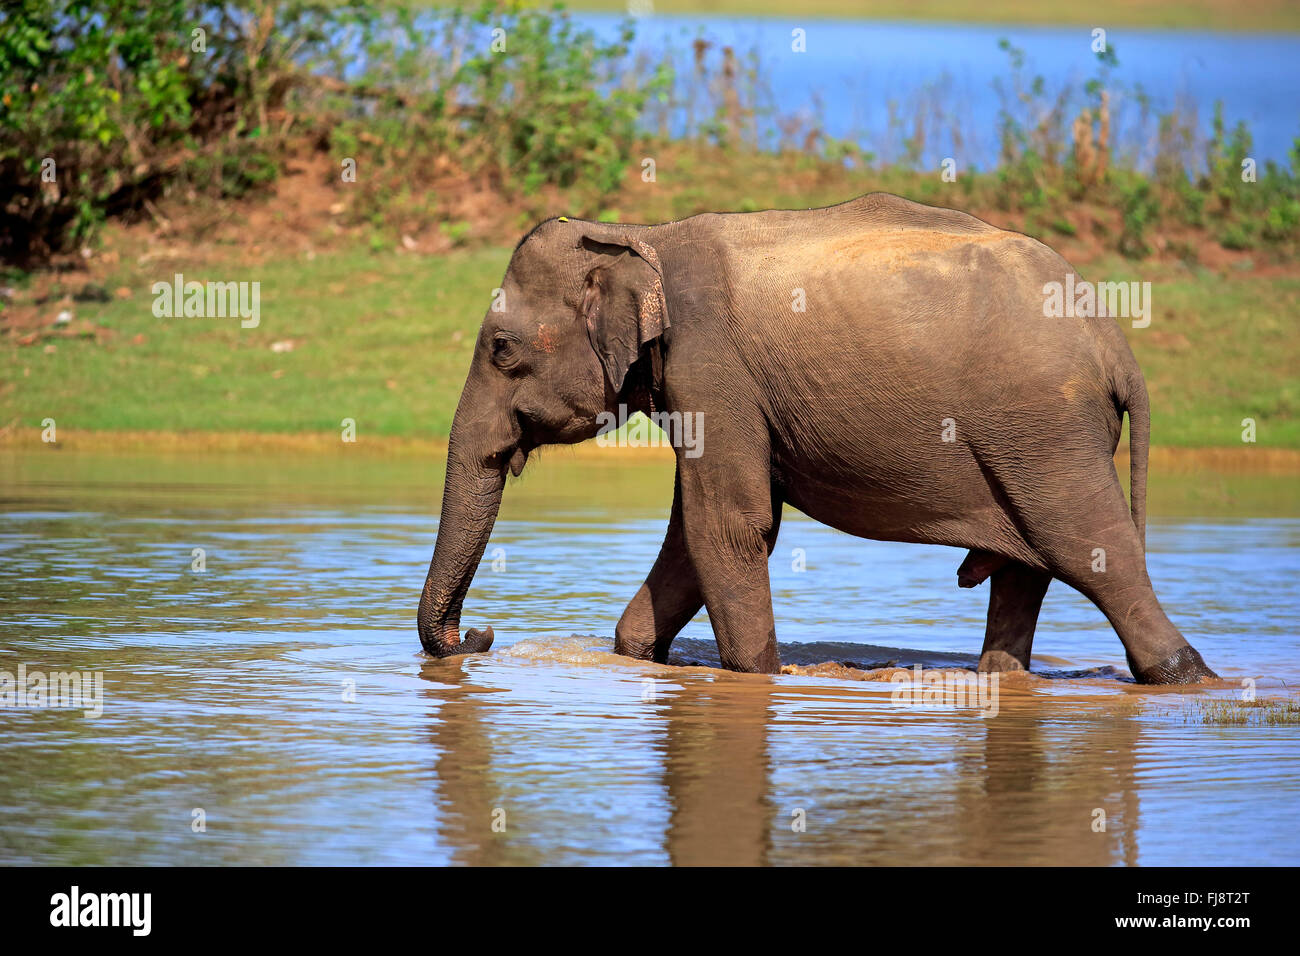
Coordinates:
385	339
382	339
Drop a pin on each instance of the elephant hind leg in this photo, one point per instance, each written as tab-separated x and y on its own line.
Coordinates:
1015	597
1073	513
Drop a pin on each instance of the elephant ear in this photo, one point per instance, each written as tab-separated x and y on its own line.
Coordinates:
622	301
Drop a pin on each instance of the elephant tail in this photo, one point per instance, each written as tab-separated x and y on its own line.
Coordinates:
1132	396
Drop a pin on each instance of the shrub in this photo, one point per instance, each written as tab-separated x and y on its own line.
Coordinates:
94	96
114	100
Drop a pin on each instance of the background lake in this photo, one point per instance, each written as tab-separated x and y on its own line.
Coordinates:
853	70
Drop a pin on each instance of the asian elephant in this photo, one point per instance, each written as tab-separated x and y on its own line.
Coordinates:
886	367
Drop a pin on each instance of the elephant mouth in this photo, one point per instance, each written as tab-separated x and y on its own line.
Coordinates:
517	460
515	455
510	459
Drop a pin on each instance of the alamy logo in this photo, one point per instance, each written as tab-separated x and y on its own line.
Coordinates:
922	687
103	909
1086	300
210	300
59	689
679	429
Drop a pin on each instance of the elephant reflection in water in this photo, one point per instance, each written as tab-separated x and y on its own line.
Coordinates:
470	801
1028	786
1048	787
1024	787
715	775
717	772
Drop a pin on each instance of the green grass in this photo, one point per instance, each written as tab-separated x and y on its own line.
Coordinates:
386	339
1240	713
1218	350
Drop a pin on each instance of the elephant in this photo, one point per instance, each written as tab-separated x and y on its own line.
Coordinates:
886	367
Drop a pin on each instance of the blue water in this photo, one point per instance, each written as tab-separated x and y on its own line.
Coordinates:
281	690
855	69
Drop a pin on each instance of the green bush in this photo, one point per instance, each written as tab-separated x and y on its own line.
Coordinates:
93	94
520	97
105	103
1139	208
545	116
1236	236
114	101
124	97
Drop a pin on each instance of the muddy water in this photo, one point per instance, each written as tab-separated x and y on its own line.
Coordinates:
224	689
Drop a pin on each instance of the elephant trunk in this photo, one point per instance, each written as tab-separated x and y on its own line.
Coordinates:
470	499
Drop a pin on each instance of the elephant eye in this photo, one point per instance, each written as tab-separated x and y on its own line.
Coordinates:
505	351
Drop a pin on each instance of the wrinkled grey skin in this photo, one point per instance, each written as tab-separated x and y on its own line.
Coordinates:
914	315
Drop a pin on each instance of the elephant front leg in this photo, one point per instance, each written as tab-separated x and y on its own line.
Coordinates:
667	600
732	516
1014	601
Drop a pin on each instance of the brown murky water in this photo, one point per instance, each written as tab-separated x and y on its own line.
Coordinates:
280	690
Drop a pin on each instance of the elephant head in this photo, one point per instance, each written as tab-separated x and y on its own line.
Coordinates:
578	304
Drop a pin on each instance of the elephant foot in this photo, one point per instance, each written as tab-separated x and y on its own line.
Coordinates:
996	661
641	646
636	649
1183	666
